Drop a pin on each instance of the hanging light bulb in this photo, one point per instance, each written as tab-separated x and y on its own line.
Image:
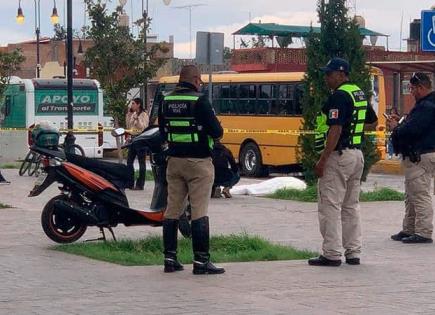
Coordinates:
54	16
20	15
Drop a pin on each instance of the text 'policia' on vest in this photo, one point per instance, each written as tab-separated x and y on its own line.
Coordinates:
357	123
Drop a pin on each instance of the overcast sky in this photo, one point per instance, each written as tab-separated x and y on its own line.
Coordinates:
226	16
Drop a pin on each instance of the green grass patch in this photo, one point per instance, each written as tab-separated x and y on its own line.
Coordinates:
382	194
310	195
148	251
3	206
10	166
307	195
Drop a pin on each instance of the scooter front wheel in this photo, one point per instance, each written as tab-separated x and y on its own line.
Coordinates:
59	226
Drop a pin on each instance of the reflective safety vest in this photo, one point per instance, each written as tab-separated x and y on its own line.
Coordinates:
321	132
181	126
357	124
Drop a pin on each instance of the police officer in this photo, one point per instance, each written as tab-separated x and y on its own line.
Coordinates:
226	171
189	124
340	165
414	138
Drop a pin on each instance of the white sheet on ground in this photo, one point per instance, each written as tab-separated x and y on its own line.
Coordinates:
269	186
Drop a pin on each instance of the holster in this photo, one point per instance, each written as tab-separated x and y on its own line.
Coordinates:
414	156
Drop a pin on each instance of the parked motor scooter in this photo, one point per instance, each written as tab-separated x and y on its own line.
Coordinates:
92	191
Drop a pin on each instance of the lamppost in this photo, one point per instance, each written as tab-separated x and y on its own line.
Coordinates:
69	74
20	20
145	29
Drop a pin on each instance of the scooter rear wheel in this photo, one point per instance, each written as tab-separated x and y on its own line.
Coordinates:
184	222
59	226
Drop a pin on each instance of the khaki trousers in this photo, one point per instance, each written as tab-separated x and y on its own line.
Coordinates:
418	199
191	177
338	192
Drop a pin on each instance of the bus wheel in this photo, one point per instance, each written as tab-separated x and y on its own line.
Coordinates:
251	162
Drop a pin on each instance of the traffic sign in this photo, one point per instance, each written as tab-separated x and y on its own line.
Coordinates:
210	48
427	33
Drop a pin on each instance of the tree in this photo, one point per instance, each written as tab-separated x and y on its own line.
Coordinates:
118	60
59	32
259	41
284	41
244	43
228	53
339	37
9	63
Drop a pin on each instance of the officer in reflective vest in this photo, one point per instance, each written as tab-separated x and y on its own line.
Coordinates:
340	166
189	125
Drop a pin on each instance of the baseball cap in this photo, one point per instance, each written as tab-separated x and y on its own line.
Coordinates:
336	64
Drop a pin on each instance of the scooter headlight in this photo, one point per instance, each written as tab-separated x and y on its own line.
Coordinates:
54	162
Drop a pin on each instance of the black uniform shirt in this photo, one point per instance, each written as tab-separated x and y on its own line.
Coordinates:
222	157
338	109
204	115
418	129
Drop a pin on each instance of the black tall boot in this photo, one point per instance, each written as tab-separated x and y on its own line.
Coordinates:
200	244
170	229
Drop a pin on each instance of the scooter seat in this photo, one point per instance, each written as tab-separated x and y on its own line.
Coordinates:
114	172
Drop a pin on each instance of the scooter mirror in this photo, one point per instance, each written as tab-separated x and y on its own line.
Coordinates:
118	132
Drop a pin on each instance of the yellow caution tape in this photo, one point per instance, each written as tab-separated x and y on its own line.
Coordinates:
80	130
288	132
282	132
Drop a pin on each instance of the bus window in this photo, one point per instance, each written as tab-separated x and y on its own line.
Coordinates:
264	98
216	90
274	105
216	93
204	89
298	97
161	91
286	103
228	99
225	91
223	97
283	104
247	99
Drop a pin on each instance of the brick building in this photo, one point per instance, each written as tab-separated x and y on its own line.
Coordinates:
53	57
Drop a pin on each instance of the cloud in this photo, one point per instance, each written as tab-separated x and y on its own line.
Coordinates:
182	50
8	37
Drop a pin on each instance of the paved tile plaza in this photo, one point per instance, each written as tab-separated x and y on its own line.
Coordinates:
393	279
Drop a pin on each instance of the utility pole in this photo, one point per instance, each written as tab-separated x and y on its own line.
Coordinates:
69	74
38	32
145	29
145	82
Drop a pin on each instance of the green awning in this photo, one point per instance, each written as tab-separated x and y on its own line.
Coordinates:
272	29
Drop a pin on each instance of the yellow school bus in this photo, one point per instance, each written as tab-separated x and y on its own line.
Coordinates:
261	114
